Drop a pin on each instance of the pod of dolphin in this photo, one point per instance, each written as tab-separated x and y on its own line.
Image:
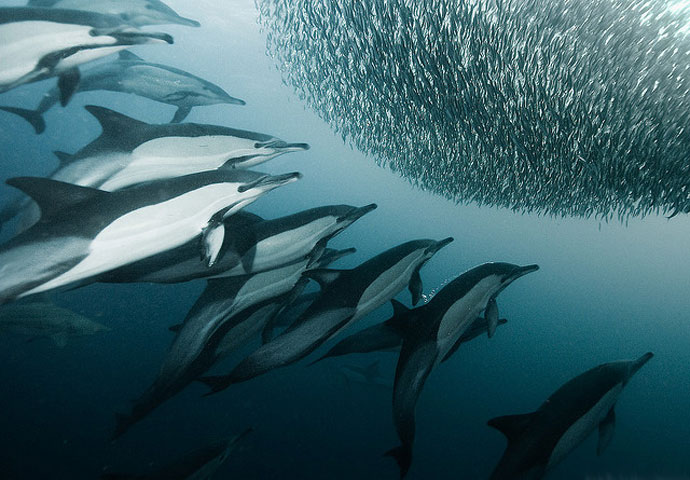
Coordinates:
166	204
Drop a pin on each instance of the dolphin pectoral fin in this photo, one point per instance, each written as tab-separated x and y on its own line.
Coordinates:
491	316
68	83
606	428
60	339
34	117
512	426
324	276
415	287
181	114
212	242
399	309
317	252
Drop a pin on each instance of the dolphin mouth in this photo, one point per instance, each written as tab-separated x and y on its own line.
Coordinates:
284	147
134	37
522	271
233	101
269	182
439	245
357	213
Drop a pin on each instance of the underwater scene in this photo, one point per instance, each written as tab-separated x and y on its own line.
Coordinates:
345	239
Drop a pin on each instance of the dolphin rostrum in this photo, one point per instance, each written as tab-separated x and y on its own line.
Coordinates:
346	296
135	12
539	440
431	331
248	248
84	232
39	43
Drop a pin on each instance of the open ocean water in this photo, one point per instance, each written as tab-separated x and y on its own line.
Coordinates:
607	289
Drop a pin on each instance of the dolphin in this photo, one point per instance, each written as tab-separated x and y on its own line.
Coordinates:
346	296
251	248
129	73
228	314
135	12
84	232
539	440
43	319
129	151
200	464
388	336
39	43
431	331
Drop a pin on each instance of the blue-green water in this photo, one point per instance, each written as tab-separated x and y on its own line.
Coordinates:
605	291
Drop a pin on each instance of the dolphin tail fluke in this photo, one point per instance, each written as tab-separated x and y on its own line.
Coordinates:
216	383
403	456
34	117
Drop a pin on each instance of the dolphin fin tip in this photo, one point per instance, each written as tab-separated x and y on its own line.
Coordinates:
403	456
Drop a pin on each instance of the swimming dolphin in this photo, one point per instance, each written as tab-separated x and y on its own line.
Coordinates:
39	43
539	440
84	232
129	151
250	248
431	331
229	313
135	12
42	319
200	464
346	296
131	74
388	336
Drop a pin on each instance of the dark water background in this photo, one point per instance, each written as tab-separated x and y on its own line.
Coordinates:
605	291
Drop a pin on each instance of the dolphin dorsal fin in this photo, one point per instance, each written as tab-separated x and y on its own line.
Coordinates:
129	56
512	426
324	276
112	121
399	308
53	196
63	157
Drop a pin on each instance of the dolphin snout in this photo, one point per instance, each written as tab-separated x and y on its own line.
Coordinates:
187	22
520	271
439	245
269	182
639	363
295	147
357	213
